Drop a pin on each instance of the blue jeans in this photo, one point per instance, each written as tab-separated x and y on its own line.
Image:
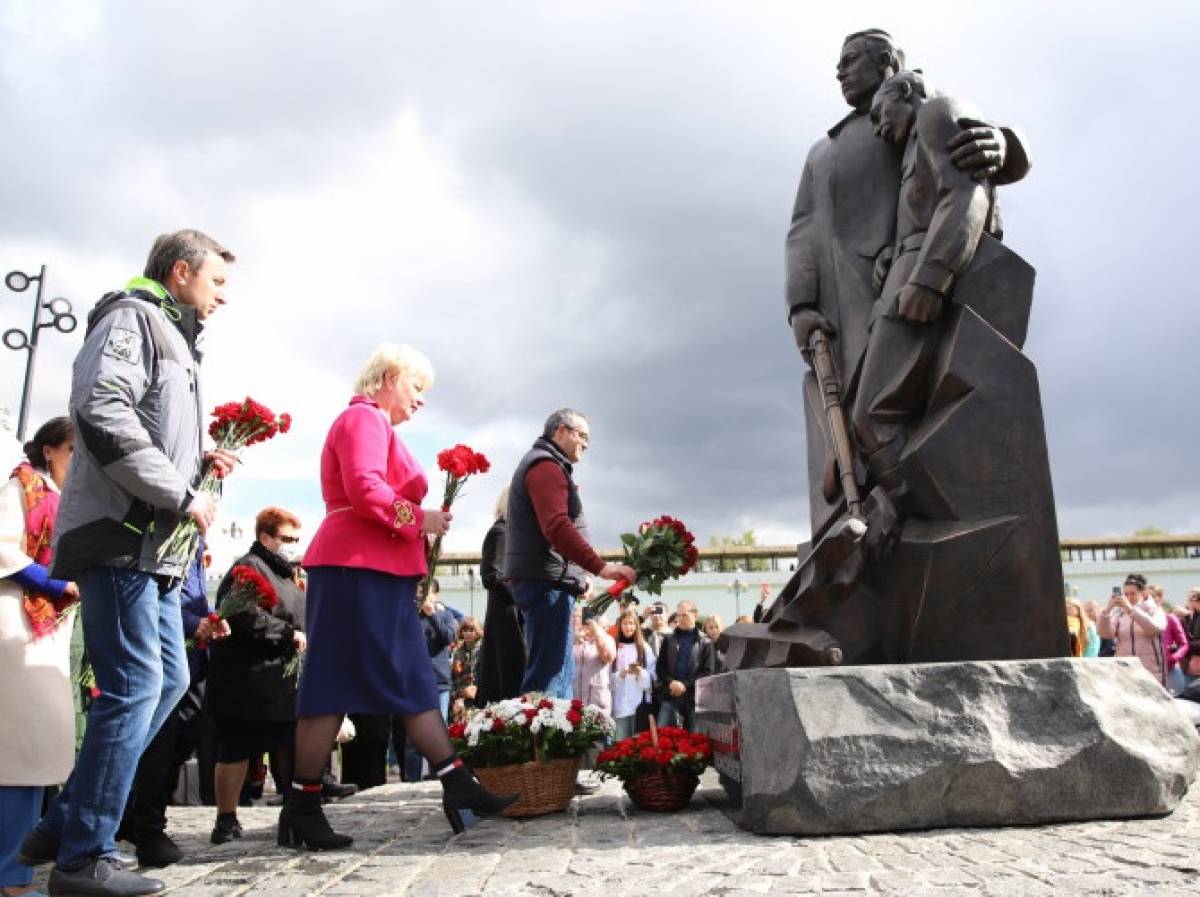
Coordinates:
20	807
133	633
414	760
549	648
678	712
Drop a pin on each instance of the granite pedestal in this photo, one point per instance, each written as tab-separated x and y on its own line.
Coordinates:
830	750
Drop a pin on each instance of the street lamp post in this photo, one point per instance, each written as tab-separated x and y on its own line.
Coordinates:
737	587
471	586
16	339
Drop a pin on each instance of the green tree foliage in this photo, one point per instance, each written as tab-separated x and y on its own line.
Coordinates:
1148	552
745	540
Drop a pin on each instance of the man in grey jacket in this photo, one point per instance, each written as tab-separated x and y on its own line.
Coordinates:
135	402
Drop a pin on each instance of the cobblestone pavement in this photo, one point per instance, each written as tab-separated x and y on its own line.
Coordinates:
604	847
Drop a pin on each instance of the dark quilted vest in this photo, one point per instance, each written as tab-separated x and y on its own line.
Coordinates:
528	554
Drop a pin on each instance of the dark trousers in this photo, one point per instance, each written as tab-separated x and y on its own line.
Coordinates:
364	758
502	654
181	735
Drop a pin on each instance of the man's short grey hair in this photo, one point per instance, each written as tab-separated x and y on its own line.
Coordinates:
879	42
563	417
191	246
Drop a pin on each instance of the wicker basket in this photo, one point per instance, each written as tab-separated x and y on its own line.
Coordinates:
662	792
545	787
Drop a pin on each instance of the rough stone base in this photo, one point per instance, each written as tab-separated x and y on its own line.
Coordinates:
827	750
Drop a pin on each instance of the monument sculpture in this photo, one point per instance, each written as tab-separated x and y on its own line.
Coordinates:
930	491
862	701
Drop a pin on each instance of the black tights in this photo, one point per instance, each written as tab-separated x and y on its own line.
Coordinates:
315	736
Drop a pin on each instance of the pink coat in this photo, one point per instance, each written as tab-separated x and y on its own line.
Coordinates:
373	488
1139	634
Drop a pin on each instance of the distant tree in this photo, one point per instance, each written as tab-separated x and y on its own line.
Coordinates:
745	540
1134	553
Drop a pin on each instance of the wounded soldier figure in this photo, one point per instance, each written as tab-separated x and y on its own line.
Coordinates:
941	214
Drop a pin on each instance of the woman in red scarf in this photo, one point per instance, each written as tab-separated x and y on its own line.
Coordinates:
36	704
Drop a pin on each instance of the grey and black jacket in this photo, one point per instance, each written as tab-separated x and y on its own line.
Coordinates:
135	402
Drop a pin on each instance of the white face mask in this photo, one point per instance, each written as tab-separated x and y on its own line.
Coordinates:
289	553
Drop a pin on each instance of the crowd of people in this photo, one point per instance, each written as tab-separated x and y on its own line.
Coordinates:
1138	622
348	645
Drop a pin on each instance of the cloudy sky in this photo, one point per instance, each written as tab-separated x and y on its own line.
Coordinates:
584	204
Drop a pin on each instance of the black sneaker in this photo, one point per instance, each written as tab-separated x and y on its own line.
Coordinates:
226	829
157	850
38	848
103	877
331	789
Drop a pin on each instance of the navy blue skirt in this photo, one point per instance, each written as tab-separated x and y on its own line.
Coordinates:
366	647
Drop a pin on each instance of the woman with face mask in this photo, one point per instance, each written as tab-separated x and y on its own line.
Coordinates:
250	695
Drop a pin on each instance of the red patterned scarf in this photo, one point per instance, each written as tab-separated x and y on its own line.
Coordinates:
40	506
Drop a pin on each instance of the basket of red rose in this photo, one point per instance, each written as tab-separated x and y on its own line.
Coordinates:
660	768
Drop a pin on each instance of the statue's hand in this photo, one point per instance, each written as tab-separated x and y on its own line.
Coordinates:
883	264
979	149
919	304
804	322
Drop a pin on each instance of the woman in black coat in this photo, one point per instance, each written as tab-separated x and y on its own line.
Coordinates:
502	654
251	694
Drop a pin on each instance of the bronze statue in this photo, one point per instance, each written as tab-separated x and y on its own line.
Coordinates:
894	255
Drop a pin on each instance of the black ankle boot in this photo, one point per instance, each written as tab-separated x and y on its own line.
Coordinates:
226	829
464	797
302	822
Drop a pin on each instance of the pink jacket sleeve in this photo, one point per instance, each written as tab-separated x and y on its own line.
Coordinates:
1176	641
363	459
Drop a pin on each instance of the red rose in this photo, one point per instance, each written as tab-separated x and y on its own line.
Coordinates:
214	617
665	757
497	725
576	704
545	704
457	730
285	422
530	714
648	753
574	717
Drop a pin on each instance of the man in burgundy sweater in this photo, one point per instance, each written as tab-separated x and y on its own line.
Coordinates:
547	555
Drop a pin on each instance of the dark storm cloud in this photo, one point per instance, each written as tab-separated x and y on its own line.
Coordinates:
652	153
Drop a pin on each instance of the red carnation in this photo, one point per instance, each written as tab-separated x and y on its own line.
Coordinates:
648	753
545	704
497	725
457	730
530	714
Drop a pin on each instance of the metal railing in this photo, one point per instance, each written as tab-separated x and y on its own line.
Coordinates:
732	558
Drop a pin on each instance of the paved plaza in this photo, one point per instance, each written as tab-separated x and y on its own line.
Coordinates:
604	847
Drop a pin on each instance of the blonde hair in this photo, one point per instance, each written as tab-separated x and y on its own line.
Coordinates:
713	618
393	358
502	503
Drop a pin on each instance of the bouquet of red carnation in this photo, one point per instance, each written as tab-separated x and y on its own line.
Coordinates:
235	425
460	463
662	750
661	549
249	589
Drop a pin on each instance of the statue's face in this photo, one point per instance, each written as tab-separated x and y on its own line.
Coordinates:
892	117
859	74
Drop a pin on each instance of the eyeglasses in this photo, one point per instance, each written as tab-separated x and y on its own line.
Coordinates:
288	540
583	435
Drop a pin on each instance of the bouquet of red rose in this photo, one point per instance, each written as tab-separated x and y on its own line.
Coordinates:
249	589
235	425
661	549
460	463
662	750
